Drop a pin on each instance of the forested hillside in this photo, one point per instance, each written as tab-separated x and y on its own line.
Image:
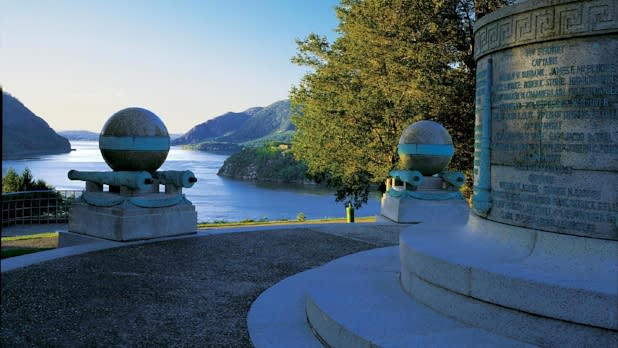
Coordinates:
25	134
269	162
251	127
216	127
271	120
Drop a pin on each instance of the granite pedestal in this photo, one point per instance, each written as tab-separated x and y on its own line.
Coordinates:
411	211
436	205
127	222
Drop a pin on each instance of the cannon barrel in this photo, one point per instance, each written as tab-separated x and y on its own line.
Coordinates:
135	180
180	178
456	179
412	177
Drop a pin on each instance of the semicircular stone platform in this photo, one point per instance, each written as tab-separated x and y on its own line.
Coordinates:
536	263
538	287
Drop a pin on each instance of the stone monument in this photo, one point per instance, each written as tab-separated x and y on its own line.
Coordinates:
536	264
134	143
538	258
423	191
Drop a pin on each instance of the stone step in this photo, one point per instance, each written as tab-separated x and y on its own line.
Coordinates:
548	288
356	301
277	317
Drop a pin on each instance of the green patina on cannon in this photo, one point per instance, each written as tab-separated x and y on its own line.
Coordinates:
134	180
126	204
179	178
421	189
134	143
425	149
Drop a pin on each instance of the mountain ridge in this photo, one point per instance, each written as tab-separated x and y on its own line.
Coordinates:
257	124
24	134
79	135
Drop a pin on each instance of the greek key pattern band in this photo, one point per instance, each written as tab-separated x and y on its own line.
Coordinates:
563	20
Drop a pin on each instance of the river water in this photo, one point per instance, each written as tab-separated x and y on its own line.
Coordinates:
214	197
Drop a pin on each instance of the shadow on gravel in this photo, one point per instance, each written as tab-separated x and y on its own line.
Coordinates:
193	292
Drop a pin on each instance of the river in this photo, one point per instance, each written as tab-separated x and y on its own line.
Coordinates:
215	198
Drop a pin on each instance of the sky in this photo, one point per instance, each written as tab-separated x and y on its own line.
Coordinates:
76	62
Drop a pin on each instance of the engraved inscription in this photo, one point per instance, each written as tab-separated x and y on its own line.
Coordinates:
548	201
553	118
547	109
554	137
481	87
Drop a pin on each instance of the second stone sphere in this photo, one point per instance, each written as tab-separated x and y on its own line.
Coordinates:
425	146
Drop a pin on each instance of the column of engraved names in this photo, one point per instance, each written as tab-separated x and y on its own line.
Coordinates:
555	116
540	199
548	109
481	89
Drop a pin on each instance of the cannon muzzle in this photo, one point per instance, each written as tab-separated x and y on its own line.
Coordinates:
456	179
179	178
412	177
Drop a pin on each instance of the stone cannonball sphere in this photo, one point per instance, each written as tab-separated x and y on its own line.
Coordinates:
425	146
134	139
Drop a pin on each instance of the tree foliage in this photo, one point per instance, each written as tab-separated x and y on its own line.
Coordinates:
14	182
271	162
395	62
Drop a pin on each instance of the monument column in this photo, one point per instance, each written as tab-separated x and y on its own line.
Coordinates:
538	258
550	110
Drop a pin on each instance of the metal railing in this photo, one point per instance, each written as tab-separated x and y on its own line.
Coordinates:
37	207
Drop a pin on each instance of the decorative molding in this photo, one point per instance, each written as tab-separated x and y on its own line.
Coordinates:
104	199
524	24
425	196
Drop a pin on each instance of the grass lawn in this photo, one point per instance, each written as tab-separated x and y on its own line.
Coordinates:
224	224
26	244
20	245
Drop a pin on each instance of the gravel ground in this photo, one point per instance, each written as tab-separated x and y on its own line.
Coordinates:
193	292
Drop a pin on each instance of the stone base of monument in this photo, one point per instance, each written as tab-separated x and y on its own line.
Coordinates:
131	218
409	211
356	301
482	284
539	287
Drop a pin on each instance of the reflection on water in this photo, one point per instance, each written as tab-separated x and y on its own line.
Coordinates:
215	198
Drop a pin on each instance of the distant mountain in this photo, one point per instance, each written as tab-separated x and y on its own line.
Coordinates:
80	135
271	120
24	134
216	127
250	127
84	135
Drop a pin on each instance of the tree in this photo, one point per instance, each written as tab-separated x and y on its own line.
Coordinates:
395	62
13	182
10	182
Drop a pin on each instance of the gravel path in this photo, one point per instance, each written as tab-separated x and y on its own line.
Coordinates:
193	292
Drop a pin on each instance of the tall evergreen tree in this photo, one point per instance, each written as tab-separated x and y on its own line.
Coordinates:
395	62
14	182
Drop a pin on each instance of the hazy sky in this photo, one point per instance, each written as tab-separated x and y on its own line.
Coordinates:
76	62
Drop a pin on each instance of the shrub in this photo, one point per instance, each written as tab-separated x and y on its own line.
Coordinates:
300	217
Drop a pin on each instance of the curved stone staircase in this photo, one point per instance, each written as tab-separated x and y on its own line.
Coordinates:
482	284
